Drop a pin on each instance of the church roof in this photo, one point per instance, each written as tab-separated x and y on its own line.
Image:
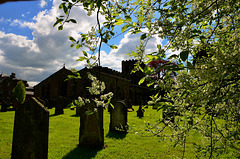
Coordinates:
3	75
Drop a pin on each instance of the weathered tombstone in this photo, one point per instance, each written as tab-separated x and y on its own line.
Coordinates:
118	118
4	106
59	104
50	103
30	135
78	110
140	112
91	131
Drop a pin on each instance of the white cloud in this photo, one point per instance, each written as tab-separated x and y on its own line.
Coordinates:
34	60
127	45
43	3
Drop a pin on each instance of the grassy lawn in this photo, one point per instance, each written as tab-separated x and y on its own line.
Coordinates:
63	138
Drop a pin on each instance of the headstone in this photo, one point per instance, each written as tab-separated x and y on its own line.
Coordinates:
78	110
59	104
118	118
50	103
140	112
4	106
30	135
91	133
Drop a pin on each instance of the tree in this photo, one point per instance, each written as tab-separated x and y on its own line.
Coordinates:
19	92
206	32
161	69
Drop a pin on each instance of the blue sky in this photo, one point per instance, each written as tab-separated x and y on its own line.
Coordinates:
33	49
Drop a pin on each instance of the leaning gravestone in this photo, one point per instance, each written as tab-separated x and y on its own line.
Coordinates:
91	133
118	118
30	135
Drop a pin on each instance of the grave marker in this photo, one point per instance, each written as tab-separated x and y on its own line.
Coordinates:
4	106
140	112
91	131
118	117
30	135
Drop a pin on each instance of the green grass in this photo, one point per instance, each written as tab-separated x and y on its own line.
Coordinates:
64	133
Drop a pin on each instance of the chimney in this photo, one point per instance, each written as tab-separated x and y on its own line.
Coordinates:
13	75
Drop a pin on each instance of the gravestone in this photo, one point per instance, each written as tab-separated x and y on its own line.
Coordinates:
50	103
91	133
118	117
140	112
59	104
30	135
4	106
78	110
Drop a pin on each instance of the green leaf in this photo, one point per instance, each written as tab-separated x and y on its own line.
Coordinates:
124	28
119	21
128	18
149	84
60	27
72	39
61	5
149	25
112	105
94	57
148	70
78	46
143	36
58	21
184	55
71	46
65	9
85	53
81	58
73	20
114	46
141	81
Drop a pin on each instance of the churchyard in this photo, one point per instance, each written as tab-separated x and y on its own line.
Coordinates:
64	138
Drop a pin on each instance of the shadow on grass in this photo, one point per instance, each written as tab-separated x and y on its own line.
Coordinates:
116	135
52	115
82	152
75	115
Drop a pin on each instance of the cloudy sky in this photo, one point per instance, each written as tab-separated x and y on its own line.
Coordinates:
33	49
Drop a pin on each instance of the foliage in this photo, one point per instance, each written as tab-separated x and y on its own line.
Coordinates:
96	91
161	69
19	92
207	35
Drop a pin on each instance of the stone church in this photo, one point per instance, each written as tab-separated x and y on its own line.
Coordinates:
123	85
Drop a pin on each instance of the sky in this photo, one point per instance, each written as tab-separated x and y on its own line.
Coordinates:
33	49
